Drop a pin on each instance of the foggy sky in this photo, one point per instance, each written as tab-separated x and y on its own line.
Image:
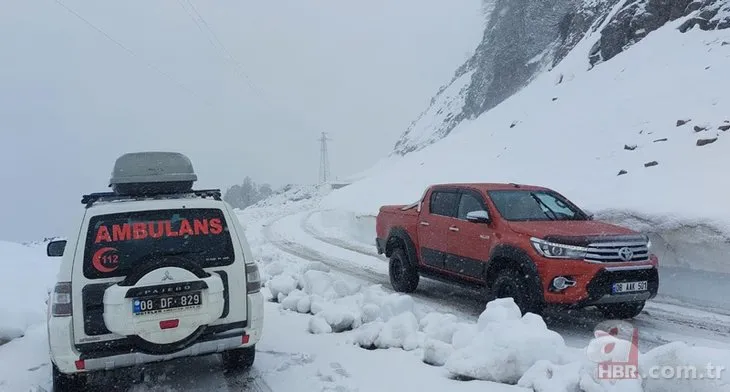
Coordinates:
72	101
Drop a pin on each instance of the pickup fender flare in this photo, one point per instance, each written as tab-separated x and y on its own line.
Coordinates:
398	237
510	256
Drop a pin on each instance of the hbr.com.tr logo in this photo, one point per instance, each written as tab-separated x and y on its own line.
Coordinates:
615	349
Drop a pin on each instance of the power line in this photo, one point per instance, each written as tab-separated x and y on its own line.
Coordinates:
217	43
133	54
203	26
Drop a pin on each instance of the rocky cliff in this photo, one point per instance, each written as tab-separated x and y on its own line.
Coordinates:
524	37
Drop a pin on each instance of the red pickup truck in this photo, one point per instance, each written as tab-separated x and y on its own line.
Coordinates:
525	242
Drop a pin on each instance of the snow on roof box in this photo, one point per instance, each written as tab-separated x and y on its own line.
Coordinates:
153	172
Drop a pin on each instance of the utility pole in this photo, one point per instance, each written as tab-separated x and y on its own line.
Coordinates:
324	162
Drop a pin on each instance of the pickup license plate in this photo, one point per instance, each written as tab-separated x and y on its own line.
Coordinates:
166	303
629	287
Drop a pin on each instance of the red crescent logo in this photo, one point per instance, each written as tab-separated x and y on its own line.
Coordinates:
105	264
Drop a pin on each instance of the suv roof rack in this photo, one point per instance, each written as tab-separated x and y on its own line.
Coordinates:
92	198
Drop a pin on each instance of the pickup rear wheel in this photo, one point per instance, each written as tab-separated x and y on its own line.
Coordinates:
403	274
511	283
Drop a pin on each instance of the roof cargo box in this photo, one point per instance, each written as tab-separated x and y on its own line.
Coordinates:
147	173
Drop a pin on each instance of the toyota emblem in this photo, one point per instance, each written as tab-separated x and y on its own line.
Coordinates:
626	254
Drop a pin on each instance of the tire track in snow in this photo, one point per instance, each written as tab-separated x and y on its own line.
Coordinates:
251	381
308	228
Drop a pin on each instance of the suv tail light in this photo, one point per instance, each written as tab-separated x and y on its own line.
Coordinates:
61	299
253	278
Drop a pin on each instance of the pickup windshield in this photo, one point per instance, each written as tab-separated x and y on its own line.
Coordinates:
530	205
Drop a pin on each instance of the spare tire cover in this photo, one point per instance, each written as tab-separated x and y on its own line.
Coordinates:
203	304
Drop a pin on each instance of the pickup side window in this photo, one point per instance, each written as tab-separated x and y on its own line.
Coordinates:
469	203
443	203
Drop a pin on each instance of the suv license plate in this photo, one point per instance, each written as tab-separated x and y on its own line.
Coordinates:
628	287
166	303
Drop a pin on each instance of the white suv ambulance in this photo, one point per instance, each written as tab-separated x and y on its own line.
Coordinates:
151	272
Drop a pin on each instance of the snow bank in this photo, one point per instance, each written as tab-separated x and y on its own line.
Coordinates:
502	346
679	359
340	305
674	367
506	345
380	319
28	275
345	226
25	362
699	244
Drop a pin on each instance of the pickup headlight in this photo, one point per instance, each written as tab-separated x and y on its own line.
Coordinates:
552	250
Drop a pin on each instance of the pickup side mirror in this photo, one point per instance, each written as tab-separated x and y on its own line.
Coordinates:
590	217
56	248
480	216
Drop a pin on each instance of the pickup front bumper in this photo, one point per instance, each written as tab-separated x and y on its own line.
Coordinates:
600	287
593	282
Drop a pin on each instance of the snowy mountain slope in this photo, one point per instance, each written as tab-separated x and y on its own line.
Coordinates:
576	130
524	38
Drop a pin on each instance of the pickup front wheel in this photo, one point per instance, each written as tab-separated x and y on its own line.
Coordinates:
403	274
511	283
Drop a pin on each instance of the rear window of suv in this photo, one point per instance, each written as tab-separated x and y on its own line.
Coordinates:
117	243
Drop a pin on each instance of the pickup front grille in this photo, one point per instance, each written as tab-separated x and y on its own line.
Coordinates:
617	252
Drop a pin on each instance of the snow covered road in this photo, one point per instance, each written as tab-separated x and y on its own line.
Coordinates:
662	321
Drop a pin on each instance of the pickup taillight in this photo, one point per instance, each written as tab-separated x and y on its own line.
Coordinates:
253	278
61	304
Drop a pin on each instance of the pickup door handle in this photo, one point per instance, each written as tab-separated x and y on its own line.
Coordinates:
454	228
423	223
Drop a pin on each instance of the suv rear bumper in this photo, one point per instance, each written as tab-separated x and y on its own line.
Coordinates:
65	355
132	359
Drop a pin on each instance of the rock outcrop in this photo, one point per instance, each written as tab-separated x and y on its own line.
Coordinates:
525	37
